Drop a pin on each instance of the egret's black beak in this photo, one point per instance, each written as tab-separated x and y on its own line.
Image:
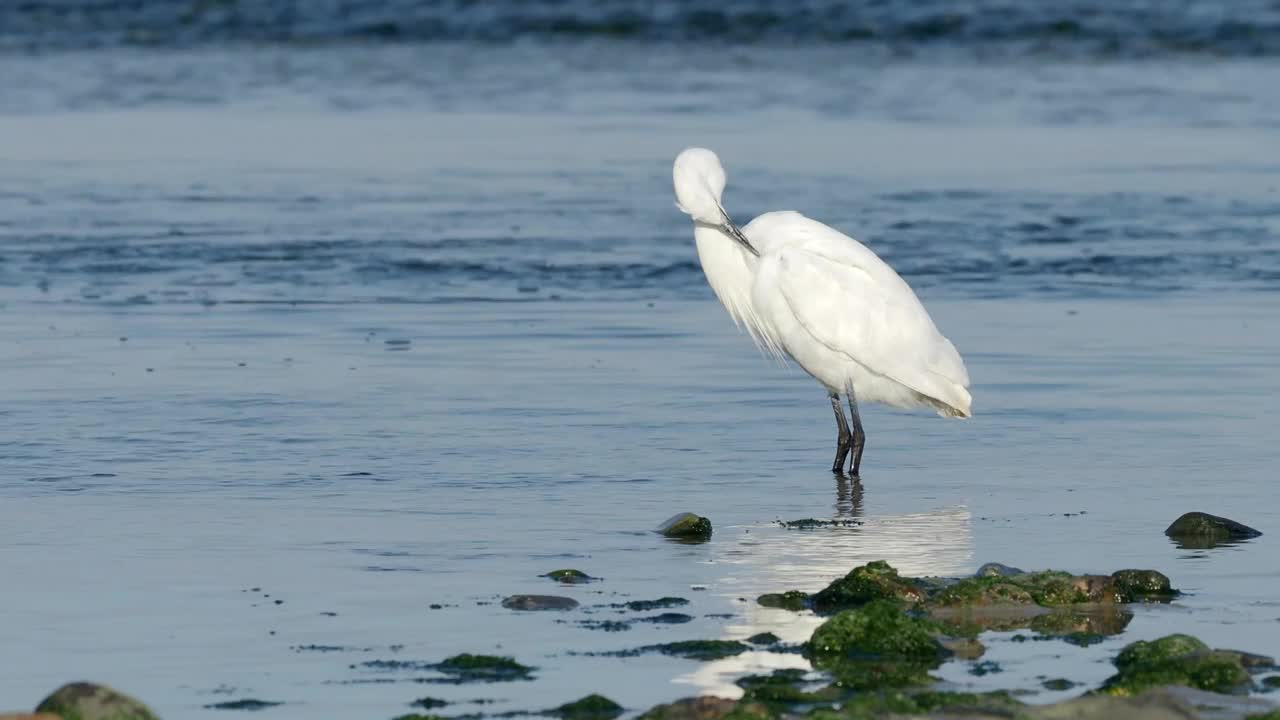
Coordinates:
733	232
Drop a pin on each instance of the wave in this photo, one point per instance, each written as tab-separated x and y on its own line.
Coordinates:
1085	28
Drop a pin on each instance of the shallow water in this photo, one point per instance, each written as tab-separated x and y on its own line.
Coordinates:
369	339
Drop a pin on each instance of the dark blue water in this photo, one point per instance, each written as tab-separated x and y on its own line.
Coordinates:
381	306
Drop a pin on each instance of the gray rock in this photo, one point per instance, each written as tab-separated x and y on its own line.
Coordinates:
1197	530
539	602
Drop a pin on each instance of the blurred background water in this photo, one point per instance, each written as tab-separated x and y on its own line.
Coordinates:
384	305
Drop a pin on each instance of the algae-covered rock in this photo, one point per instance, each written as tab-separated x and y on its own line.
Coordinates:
997	570
569	577
1141	586
789	600
701	649
686	526
483	668
591	707
982	592
764	638
418	716
90	701
1057	684
695	708
1197	530
1146	652
539	602
879	629
1175	660
428	703
876	646
873	581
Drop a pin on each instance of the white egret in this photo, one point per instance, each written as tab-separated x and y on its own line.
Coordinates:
809	292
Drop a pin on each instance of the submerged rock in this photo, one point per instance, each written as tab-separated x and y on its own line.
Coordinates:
1057	684
248	704
569	577
428	703
695	708
1151	705
701	649
873	581
686	526
764	638
90	701
661	603
591	707
483	668
1175	660
783	688
666	619
539	602
789	600
1197	530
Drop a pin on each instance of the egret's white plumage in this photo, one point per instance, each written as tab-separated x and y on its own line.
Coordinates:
809	292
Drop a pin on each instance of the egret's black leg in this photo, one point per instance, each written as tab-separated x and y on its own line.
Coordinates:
859	437
843	440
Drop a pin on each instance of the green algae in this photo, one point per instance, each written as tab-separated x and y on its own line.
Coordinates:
880	629
569	576
1147	652
1175	660
876	646
783	689
701	649
874	581
982	591
789	600
686	527
483	668
591	707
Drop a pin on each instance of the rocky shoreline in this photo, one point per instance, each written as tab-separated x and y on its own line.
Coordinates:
882	637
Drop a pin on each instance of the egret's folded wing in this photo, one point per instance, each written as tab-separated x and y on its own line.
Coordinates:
880	325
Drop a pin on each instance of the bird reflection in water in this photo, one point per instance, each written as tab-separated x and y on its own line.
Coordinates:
807	556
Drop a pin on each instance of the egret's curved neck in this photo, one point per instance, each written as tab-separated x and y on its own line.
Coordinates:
729	268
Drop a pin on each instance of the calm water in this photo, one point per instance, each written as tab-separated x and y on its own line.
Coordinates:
371	321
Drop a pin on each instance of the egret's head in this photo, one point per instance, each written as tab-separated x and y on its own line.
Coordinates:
699	182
